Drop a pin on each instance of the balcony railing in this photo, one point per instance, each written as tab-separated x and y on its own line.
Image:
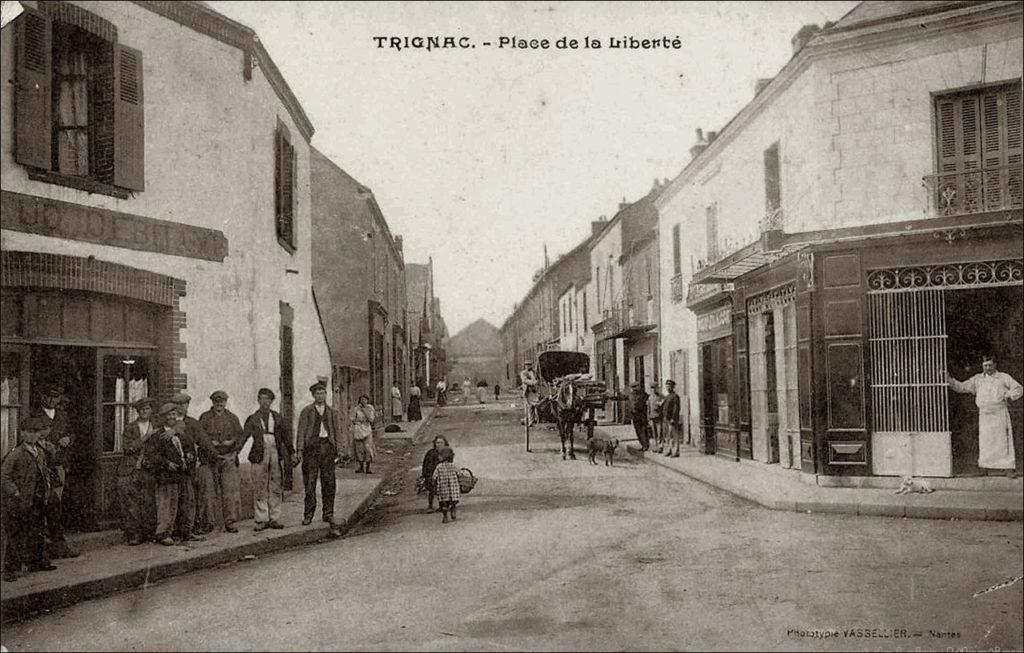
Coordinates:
976	191
677	288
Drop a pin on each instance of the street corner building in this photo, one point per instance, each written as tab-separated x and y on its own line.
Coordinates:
848	237
156	231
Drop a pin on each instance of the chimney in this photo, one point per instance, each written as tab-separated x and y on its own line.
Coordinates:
546	263
711	137
761	84
803	35
597	226
623	204
398	244
699	146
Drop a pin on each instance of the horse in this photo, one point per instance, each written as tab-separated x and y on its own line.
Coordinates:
569	413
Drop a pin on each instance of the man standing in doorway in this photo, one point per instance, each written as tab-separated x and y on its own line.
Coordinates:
56	445
225	433
316	449
670	415
271	451
992	391
640	416
528	379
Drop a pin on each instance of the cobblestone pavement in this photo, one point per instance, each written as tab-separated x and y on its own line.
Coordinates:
553	555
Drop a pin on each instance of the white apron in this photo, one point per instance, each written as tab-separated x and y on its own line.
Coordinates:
995	435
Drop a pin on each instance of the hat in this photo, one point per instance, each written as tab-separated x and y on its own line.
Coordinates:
266	391
181	398
145	401
670	382
637	385
33	424
319	385
168	408
529	363
219	395
52	390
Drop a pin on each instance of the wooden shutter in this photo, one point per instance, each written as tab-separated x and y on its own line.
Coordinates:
129	119
959	138
33	135
1014	150
677	259
772	187
284	179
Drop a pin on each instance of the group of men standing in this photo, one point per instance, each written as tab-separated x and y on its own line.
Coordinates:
657	414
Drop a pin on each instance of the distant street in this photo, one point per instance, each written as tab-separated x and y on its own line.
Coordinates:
553	555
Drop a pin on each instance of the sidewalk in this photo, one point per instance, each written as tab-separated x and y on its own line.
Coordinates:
771	486
105	567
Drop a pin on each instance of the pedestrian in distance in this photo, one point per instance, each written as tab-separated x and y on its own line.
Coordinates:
25	480
654	405
497	391
415	412
363	416
167	460
430	460
225	432
135	485
316	449
671	426
640	416
271	452
446	483
396	403
465	390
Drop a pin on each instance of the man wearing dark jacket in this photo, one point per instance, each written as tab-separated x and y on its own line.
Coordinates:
670	413
201	471
167	458
640	416
271	451
225	433
25	480
317	445
56	445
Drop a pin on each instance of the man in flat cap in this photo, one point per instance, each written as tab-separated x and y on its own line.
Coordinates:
166	458
672	427
200	456
271	451
318	443
225	433
25	480
56	444
135	485
640	416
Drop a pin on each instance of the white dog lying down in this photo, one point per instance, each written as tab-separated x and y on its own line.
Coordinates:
909	486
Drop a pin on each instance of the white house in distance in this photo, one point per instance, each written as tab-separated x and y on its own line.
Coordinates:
816	319
156	223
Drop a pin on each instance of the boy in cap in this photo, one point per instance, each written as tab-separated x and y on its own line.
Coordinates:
135	485
318	442
25	479
225	433
200	456
167	459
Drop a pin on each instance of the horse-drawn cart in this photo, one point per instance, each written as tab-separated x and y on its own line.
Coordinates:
566	395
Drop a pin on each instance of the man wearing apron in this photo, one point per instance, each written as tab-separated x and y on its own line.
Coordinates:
992	391
271	451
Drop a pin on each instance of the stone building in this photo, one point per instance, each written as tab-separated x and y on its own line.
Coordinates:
811	323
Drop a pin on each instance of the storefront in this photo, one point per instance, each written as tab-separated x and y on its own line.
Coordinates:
719	388
92	334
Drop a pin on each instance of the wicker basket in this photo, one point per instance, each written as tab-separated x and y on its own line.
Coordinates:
467	481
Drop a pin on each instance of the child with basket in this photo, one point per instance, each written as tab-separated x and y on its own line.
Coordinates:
446	483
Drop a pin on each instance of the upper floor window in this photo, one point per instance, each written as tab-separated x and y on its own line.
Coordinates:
284	191
78	101
772	180
711	231
978	150
677	253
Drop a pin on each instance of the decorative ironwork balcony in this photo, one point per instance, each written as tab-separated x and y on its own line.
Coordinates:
677	288
626	322
976	191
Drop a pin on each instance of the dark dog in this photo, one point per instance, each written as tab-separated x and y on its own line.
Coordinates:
600	445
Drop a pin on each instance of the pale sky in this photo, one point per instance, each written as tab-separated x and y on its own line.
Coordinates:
478	157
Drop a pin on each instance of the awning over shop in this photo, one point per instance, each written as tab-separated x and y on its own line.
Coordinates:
770	247
631	332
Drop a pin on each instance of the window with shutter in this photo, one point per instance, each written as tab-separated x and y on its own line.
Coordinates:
677	259
284	188
978	150
74	124
772	181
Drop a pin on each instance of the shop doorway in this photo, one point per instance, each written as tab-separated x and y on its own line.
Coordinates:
73	369
979	322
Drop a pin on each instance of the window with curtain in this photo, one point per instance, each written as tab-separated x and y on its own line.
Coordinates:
126	379
10	400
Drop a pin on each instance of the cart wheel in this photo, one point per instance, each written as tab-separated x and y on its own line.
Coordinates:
526	421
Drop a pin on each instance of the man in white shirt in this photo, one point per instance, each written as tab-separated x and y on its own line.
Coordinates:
528	379
317	448
992	391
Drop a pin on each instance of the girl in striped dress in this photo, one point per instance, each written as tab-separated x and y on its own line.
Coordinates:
446	483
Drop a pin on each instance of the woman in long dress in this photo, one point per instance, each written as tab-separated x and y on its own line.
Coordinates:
413	410
363	416
396	403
